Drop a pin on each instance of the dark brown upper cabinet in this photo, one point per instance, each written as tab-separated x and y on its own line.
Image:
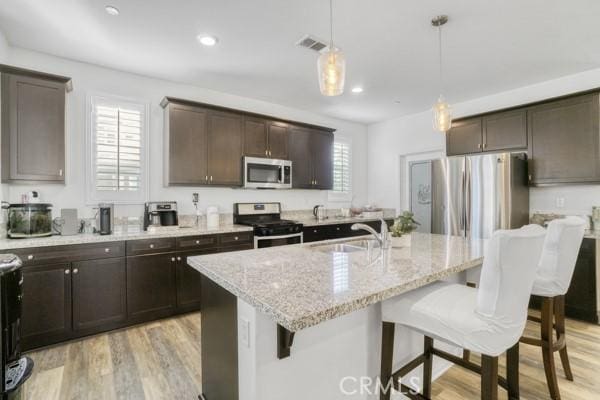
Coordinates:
564	140
33	128
465	137
264	138
225	147
311	152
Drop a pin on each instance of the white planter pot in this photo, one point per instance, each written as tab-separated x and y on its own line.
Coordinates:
402	241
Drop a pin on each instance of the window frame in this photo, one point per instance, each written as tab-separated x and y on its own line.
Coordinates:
338	196
94	196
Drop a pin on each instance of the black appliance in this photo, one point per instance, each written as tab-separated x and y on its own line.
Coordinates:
160	213
15	369
105	218
269	229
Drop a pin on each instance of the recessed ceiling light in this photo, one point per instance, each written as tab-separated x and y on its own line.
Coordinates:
357	89
112	10
207	40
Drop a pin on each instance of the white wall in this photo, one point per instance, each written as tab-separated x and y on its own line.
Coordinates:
89	78
414	133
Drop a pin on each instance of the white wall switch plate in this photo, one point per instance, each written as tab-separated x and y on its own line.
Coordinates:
245	332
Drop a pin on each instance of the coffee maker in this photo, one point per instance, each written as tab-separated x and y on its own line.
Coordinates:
160	213
105	218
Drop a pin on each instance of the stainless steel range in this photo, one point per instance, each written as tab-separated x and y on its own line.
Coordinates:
269	229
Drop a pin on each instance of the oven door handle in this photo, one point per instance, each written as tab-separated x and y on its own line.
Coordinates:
291	235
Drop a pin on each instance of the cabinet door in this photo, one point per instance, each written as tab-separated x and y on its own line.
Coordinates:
322	145
278	140
34	129
225	147
255	137
187	156
150	286
505	131
465	137
301	157
46	315
99	294
188	283
564	137
580	300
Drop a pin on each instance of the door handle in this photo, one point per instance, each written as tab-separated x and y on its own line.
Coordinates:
67	271
75	270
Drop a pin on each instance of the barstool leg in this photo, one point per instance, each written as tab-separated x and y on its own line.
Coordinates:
559	315
489	377
547	344
387	359
427	366
512	372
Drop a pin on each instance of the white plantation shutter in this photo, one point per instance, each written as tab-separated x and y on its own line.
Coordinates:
117	153
342	179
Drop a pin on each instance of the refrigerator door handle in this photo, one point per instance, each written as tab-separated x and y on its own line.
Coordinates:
467	197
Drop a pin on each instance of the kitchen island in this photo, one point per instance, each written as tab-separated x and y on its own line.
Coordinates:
304	321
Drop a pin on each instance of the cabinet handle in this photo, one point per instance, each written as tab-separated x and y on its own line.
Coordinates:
484	145
151	245
269	153
530	178
60	172
479	145
107	250
178	258
236	238
197	242
211	178
30	257
173	259
314	231
206	178
316	183
338	228
75	270
266	152
67	271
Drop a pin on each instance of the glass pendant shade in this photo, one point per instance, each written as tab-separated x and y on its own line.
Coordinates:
442	115
332	72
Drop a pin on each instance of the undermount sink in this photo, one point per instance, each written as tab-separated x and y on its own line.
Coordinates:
347	247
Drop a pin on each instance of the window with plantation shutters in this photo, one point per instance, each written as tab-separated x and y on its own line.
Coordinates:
117	150
342	170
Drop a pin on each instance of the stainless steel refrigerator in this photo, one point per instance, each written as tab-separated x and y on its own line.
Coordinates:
470	196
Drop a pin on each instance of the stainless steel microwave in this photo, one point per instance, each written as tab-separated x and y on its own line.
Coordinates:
267	173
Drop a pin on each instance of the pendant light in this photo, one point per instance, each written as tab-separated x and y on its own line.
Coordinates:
331	65
442	112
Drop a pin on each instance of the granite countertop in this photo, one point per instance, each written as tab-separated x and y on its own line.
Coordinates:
132	232
299	286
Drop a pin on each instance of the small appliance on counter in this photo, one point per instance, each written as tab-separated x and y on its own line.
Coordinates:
320	212
269	229
105	220
28	220
68	223
160	214
15	368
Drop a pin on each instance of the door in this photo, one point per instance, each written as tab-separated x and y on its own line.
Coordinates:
505	131
255	137
189	293
99	294
465	137
322	145
225	147
278	140
420	194
448	196
300	154
35	112
150	286
565	143
46	305
187	145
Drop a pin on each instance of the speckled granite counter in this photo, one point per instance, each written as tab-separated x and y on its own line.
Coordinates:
121	233
303	285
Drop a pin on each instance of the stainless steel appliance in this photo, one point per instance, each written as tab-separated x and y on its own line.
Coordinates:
105	218
15	368
28	220
470	196
267	173
269	229
160	213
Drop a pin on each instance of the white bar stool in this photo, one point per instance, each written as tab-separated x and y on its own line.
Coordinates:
553	278
488	320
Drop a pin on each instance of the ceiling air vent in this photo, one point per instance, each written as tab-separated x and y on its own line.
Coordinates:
312	43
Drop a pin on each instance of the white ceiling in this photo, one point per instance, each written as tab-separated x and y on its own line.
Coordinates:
490	46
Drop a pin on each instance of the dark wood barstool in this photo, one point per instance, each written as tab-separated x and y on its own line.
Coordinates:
488	320
555	270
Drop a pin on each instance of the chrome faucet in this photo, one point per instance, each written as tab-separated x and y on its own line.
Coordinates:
383	237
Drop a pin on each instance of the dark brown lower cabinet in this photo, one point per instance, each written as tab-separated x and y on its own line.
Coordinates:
99	294
188	284
46	305
151	286
337	231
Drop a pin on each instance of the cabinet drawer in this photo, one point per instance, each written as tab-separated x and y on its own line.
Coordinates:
150	246
197	242
69	253
234	239
316	233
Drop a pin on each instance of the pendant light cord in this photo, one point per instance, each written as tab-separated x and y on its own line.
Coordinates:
331	24
440	57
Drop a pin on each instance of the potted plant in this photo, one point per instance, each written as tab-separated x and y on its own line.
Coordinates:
403	226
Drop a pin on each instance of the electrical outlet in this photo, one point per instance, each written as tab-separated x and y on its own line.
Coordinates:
560	202
245	332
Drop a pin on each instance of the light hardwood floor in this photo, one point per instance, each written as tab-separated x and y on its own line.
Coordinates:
161	360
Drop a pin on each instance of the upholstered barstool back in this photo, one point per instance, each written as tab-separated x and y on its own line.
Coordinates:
559	256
